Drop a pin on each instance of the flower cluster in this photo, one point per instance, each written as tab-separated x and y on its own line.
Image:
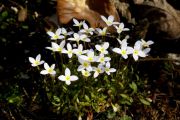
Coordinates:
94	60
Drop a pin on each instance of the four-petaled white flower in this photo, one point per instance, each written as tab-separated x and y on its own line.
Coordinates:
69	50
37	61
102	59
77	23
86	73
79	51
146	44
84	65
109	70
98	70
124	41
48	69
86	29
85	38
56	35
90	56
121	28
103	48
68	77
57	48
124	50
102	32
137	51
65	33
109	21
77	37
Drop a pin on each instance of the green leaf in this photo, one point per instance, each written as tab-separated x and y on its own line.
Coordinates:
133	86
124	96
145	102
56	99
126	117
4	14
25	27
87	98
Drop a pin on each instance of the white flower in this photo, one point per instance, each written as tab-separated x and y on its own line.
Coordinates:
98	70
77	37
37	61
57	48
86	29
146	44
48	69
121	28
115	107
107	68
84	65
137	51
86	73
109	21
65	33
68	77
124	51
90	56
77	23
79	51
69	50
85	38
103	59
56	35
102	32
103	48
124	41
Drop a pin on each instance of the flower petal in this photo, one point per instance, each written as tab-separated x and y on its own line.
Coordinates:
103	18
111	18
46	66
105	45
50	33
68	82
32	60
44	72
38	57
62	78
73	78
67	72
58	31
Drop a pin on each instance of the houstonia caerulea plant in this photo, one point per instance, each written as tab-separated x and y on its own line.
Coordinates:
92	69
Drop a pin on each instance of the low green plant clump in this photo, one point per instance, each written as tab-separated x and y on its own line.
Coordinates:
90	73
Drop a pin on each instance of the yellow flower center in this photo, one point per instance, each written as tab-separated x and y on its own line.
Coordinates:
90	59
102	59
86	74
69	51
85	64
107	69
36	62
79	52
59	49
50	70
68	78
56	36
123	52
136	52
98	70
109	22
102	49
